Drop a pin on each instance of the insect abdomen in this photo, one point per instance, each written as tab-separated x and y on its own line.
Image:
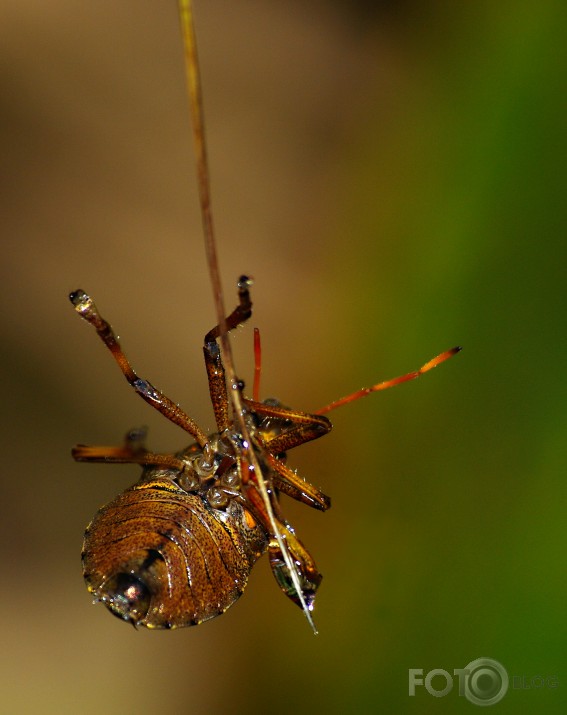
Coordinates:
160	557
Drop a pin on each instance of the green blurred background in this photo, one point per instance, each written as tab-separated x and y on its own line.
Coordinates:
393	176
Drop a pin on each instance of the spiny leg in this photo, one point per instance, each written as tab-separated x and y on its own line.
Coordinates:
309	577
118	455
84	305
131	452
288	482
213	361
239	315
305	426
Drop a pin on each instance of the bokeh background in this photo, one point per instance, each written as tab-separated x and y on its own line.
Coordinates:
393	176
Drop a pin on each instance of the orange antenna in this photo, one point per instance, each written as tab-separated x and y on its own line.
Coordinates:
389	383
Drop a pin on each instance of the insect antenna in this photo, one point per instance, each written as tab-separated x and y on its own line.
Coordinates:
196	105
389	383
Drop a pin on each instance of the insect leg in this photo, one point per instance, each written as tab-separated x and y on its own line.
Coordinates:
215	368
288	482
118	455
308	575
131	452
306	427
85	306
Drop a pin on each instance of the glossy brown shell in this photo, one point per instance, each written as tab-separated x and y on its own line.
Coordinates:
161	557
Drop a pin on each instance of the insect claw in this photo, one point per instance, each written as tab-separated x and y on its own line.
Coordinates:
81	301
245	282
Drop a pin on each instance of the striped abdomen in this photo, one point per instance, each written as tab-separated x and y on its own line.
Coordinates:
161	557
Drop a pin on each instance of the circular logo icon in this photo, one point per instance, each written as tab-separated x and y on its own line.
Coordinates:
487	681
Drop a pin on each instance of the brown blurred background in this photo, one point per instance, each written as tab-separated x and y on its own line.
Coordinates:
393	176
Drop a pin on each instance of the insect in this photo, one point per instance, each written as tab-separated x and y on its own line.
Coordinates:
177	547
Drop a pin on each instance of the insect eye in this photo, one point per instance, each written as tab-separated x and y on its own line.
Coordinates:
127	597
